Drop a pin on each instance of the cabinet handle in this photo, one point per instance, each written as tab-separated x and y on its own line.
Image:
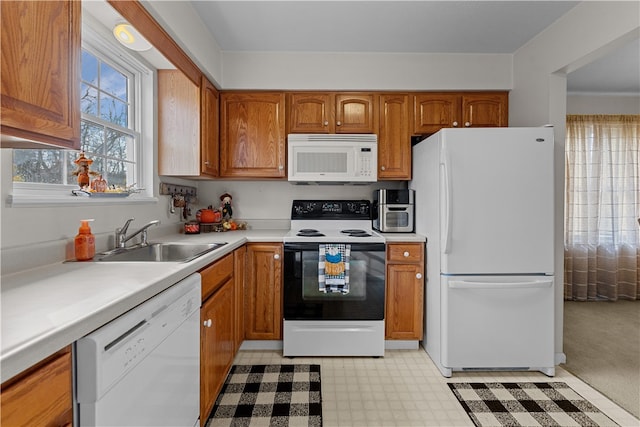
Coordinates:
339	123
418	276
326	123
276	256
467	124
455	124
280	167
406	254
382	168
207	323
207	163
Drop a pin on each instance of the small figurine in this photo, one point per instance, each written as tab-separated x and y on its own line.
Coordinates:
226	206
99	185
83	171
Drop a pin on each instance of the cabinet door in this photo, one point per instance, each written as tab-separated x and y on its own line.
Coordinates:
485	110
394	137
310	113
252	136
42	396
355	113
210	129
217	345
434	111
40	73
263	320
405	300
239	256
178	124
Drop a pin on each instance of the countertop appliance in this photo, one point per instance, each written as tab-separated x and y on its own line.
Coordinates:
484	200
393	210
333	313
143	368
332	158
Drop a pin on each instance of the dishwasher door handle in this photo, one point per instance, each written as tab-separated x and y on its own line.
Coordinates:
125	335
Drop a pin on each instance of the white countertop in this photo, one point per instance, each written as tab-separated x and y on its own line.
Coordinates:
47	308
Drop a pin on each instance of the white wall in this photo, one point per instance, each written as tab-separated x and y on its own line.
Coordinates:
603	104
539	94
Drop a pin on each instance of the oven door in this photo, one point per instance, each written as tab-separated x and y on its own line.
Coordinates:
303	299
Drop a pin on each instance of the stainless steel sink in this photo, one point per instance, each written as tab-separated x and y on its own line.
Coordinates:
158	252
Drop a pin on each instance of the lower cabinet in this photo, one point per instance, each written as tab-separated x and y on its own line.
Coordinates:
404	309
263	298
40	396
217	338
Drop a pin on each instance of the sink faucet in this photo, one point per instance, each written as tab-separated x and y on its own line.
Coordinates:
121	233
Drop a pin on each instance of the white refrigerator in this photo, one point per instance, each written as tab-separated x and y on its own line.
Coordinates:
484	201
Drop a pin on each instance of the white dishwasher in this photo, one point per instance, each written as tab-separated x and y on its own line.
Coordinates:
143	368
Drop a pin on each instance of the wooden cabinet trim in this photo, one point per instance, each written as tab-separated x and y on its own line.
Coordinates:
215	275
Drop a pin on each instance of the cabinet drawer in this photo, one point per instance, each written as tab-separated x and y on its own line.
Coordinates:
41	396
216	275
405	252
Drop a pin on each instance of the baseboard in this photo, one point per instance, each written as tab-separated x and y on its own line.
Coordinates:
261	345
401	344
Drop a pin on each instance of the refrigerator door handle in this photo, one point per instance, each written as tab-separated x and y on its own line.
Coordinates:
445	177
464	284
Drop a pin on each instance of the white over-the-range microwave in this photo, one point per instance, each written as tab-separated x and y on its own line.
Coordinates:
332	158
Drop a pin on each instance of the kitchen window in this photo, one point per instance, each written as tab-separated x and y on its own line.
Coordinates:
115	88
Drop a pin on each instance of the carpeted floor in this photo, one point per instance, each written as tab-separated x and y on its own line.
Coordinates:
602	345
269	395
527	404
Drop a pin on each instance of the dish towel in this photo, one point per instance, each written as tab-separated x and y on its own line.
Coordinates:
333	268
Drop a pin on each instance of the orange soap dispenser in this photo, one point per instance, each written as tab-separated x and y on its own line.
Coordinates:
85	243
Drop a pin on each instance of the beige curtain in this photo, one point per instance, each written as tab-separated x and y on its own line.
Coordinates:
602	207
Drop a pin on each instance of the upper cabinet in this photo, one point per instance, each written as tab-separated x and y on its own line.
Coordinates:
252	135
436	110
187	126
332	112
394	137
40	74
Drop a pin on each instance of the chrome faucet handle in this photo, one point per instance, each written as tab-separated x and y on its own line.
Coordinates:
125	227
121	232
143	232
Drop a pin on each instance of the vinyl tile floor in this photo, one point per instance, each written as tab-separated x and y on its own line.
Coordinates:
404	388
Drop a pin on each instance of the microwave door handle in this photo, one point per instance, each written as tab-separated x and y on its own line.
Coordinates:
397	209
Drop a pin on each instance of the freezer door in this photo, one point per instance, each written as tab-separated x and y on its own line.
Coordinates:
497	322
496	201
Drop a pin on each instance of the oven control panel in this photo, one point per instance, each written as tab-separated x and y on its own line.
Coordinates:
327	209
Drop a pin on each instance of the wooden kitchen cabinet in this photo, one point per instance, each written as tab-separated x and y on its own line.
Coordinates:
332	112
263	297
239	257
394	137
40	71
252	135
404	308
40	396
436	110
188	117
217	337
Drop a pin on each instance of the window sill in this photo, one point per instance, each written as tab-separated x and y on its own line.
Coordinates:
32	200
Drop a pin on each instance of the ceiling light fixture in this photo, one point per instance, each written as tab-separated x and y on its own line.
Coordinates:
130	37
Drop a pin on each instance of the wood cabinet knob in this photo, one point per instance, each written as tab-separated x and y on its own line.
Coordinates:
406	254
339	123
207	323
276	256
455	124
419	276
326	123
382	168
467	124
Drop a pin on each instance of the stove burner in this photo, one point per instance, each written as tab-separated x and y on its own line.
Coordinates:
309	232
356	232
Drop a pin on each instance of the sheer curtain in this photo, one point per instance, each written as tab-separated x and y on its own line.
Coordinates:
602	208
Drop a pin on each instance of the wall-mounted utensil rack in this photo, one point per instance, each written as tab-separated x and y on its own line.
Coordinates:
173	189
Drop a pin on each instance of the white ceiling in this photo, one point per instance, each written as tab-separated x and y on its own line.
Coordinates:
417	26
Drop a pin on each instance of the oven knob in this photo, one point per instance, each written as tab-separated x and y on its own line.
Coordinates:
276	256
406	254
418	276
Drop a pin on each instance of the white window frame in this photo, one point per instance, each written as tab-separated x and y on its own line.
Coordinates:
102	45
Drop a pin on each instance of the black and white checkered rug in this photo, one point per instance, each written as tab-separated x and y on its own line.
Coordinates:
527	404
269	395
